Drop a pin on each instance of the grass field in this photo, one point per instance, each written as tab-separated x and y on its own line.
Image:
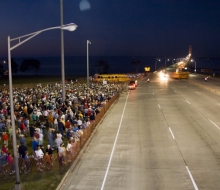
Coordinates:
32	81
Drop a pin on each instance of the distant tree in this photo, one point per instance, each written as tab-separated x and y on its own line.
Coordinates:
14	66
101	65
30	65
96	66
136	64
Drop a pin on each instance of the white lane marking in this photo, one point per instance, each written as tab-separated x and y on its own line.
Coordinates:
188	102
191	177
214	124
171	133
113	148
175	91
159	106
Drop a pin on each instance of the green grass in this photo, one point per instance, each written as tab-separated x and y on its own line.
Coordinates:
37	180
31	81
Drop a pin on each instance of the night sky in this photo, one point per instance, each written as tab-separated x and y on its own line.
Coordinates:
115	27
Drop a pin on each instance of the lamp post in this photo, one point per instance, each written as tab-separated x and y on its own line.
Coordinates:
156	63
166	62
88	42
195	65
62	53
21	40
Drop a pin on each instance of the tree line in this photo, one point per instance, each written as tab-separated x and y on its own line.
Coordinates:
27	65
102	67
33	66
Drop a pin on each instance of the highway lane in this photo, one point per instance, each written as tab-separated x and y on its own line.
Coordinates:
163	135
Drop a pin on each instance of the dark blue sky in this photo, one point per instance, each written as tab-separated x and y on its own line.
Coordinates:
115	27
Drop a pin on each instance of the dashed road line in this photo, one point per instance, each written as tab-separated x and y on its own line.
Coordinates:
188	102
172	133
191	177
214	124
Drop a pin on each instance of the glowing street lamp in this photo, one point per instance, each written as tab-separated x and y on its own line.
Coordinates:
166	62
21	40
195	64
156	63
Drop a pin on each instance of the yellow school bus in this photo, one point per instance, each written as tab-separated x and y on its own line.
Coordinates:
180	75
111	77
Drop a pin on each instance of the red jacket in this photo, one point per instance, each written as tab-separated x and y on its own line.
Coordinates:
5	137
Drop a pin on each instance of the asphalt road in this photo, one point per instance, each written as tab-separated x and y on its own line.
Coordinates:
162	136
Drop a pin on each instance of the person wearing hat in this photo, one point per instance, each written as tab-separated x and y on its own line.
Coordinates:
22	139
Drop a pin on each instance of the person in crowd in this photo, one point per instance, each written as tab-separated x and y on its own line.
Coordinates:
49	150
60	126
39	155
34	144
50	137
36	134
11	164
22	150
27	162
5	148
68	150
48	161
41	138
5	138
58	141
22	139
27	124
67	125
31	130
61	154
50	120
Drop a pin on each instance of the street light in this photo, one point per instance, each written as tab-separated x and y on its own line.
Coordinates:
156	63
88	42
62	53
21	40
195	64
166	62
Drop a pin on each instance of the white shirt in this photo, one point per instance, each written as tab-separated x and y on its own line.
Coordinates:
39	153
68	147
79	122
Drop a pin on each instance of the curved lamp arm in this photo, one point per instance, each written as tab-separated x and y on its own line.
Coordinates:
71	27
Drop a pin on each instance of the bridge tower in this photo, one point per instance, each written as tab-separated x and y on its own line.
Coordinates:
190	50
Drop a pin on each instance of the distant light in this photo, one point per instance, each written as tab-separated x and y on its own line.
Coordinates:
84	5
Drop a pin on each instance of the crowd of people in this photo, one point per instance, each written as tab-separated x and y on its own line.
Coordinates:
53	125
